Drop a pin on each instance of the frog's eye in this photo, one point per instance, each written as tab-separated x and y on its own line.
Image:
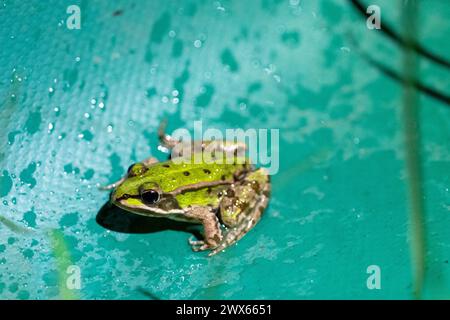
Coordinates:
136	169
150	196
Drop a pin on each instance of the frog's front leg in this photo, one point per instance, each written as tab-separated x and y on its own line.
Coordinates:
211	226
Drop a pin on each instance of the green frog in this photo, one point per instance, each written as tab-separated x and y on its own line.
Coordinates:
228	199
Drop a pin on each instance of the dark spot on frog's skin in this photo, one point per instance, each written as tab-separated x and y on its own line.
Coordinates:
243	206
209	190
219	194
186	173
216	238
223	178
206	171
230	193
255	186
266	193
166	166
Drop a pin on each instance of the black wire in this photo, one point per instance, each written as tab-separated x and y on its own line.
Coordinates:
417	84
389	32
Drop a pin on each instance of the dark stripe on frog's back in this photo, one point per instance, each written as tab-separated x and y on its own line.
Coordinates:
169	175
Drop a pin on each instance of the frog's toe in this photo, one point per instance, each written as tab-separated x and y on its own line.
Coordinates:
194	242
198	245
215	251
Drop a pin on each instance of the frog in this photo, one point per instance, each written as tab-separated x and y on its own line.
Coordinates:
227	199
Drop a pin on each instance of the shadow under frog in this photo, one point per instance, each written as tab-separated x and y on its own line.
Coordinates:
116	219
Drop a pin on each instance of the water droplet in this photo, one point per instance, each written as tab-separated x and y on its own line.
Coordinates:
50	127
175	100
175	93
109	128
197	43
172	33
77	59
51	90
87	115
242	106
130	123
101	105
93	101
165	99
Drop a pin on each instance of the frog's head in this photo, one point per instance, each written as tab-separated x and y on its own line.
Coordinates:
140	193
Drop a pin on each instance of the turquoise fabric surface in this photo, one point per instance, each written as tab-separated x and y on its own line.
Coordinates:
77	107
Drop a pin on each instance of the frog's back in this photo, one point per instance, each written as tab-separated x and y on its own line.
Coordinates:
170	175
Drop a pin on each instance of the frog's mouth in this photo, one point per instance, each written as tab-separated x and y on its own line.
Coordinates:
133	204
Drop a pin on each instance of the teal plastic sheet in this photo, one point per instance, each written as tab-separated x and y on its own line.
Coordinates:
78	106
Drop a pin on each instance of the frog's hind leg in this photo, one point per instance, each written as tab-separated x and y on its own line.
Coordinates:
166	140
242	208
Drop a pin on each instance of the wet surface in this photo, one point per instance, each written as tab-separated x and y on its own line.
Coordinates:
77	107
